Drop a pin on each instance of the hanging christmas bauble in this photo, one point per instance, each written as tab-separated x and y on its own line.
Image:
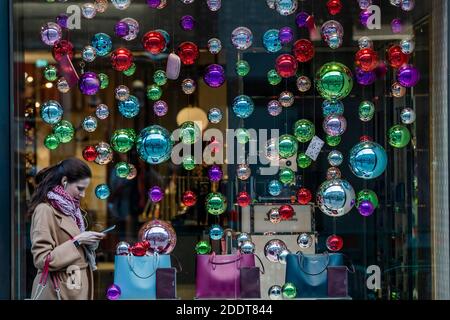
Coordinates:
189	132
274	291
243	199
286	99
274	108
187	23
287	146
215	173
366	59
88	54
275	187
64	130
365	43
188	163
366	208
160	108
216	232
273	248
368	160
365	78
408	116
215	115
334	243
51	33
130	107
334	81
335	158
121	29
214	75
333	173
89	124
214	5
188	86
61	49
154	144
155	193
397	25
367	195
102	44
104	153
215	203
89	83
89	153
408	46
286	35
121	4
273	77
243	172
303	50
130	71
242	135
133	29
399	136
304	130
332	33
336	197
50	73
286	7
242	38
274	216
247	247
102	191
154	42
214	45
286	212
122	140
122	248
332	107
121	59
396	57
154	92
242	68
304	240
408	76
203	247
287	176
334	125
160	77
51	141
158	237
122	93
286	65
302	19
243	106
122	169
188	52
334	7
398	90
51	112
304	196
366	111
271	41
62	85
303	83
189	198
333	141
303	161
104	80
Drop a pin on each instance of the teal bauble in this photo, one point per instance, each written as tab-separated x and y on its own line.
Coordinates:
130	107
243	106
102	191
154	145
51	112
368	160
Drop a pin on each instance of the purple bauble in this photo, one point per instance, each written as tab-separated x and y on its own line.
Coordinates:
408	76
113	292
121	29
187	23
366	208
89	83
285	35
160	108
155	194
153	3
214	75
364	17
215	173
301	19
397	26
61	20
365	78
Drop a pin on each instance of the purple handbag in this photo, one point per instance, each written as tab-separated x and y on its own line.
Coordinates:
218	276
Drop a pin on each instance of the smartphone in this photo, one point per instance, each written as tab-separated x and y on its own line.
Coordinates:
108	229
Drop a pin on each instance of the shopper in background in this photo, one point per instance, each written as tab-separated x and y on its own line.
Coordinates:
60	243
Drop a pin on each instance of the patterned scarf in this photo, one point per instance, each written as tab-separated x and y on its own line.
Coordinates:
65	203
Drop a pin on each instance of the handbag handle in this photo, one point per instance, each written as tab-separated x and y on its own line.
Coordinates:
211	260
301	262
138	275
44	278
263	271
179	266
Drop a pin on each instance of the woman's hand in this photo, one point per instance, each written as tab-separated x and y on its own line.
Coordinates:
89	237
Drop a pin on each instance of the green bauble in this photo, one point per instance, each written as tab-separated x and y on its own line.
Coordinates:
334	81
188	163
154	92
51	141
64	131
215	203
273	77
203	247
242	68
160	77
104	80
189	132
289	290
287	146
399	136
304	130
303	161
130	71
122	169
51	73
242	136
366	111
333	141
122	140
368	195
287	176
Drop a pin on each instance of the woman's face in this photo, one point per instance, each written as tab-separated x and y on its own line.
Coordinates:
78	188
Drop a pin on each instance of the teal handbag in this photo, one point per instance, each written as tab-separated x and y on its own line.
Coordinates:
136	276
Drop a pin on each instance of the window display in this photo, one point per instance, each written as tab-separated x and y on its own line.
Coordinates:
243	149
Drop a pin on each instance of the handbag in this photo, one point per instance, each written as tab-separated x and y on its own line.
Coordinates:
309	272
136	276
218	276
166	283
42	284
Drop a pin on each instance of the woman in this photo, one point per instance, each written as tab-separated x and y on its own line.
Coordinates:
59	240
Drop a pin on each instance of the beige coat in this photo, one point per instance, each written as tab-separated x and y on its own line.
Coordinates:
51	233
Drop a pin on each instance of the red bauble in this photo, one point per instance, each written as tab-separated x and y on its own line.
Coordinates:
89	153
304	196
396	57
188	52
335	243
145	244
121	59
286	65
62	48
154	42
286	212
303	50
365	138
243	199
139	249
366	59
189	198
334	7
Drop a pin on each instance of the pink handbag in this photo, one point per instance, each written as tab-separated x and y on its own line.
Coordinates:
218	276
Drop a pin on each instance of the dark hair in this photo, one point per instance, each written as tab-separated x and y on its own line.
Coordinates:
46	179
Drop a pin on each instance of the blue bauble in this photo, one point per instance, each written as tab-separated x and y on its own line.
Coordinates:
271	40
216	232
154	144
130	107
166	37
368	160
329	107
215	115
51	112
336	197
102	191
102	43
275	188
243	106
